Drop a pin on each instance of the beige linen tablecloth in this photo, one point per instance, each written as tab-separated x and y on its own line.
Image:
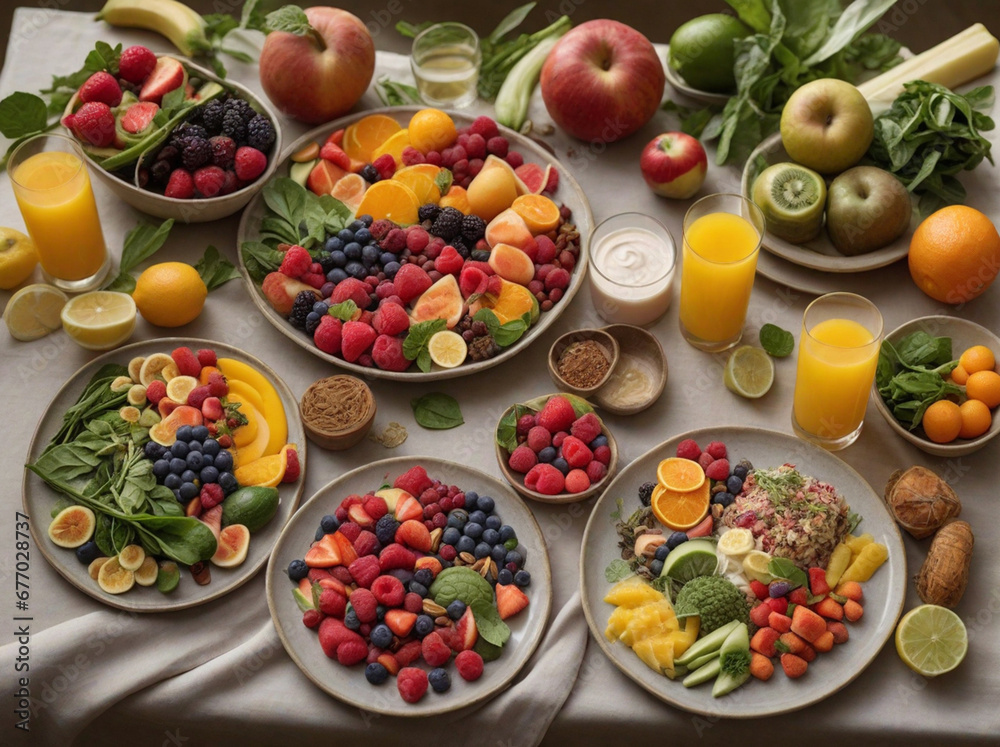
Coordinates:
219	673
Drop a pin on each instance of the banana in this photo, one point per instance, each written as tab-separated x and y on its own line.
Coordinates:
182	25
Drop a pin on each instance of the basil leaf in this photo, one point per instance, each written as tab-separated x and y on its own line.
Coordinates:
215	270
260	259
290	18
123	283
286	198
491	627
417	338
344	311
787	570
510	332
776	341
506	435
142	242
22	114
437	411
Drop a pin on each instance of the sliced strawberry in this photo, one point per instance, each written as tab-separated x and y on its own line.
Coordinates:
510	600
414	535
325	553
400	621
359	516
409	508
138	116
346	547
467	629
166	76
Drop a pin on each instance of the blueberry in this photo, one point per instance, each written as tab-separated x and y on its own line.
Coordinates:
346	235
547	455
656	566
376	674
353	250
457	518
207	460
183	433
721	497
172	481
338	258
195	446
471	499
473	530
423	625
456	609
333	245
450	536
195	460
209	474
366	220
211	447
312	318
161	468
507	533
493	522
298	570
356	270
513	557
177	465
522	578
356	225
351	621
505	577
362	235
154	450
329	524
734	484
498	553
391	268
224	461
385	258
385	529
418	588
381	636
369	254
465	544
424	576
561	464
88	552
177	493
439	679
662	551
227	482
482	551
478	516
491	537
319	534
675	539
336	275
486	504
188	491
199	433
741	471
601	440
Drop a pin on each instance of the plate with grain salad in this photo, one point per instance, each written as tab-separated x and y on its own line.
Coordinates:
740	572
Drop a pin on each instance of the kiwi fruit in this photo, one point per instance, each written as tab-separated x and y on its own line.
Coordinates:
792	199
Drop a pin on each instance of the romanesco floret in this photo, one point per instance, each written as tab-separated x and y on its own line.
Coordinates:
715	599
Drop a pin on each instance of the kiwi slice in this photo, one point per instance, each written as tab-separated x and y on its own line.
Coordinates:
792	199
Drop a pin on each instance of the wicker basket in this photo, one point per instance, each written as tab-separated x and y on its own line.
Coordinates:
337	412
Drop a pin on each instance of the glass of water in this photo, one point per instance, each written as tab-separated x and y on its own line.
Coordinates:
445	62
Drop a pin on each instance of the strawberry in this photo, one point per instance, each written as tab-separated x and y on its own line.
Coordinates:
328	335
415	535
136	63
557	415
156	391
430	563
356	338
408	653
411	683
138	116
400	621
249	163
223	151
354	290
345	545
103	87
387	352
208	180
388	661
180	185
395	556
167	75
352	652
467	631
332	633
434	650
510	600
335	154
408	508
359	516
93	122
324	553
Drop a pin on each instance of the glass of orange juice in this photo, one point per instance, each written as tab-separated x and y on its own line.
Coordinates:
838	353
53	192
722	235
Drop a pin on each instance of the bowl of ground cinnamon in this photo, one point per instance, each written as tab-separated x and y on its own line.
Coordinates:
581	362
337	412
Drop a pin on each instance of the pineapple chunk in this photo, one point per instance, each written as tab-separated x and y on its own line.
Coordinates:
649	620
657	652
683	639
632	592
617	622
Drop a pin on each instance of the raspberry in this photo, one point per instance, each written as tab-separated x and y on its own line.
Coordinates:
388	590
366	544
417	239
394	241
514	159
586	428
576	452
186	361
385	165
387	352
469	665
180	185
136	63
475	146
718	470
364	570
717	449
375	506
356	338
689	449
332	602
522	459
545	479
312	618
538	438
485	127
413	602
207	357
411	156
449	262
602	454
364	603
250	163
391	319
208	180
223	151
395	556
156	391
328	334
577	480
497	146
411	683
557	415
352	652
335	154
705	459
211	495
353	289
410	282
102	87
434	650
558	438
296	262
525	423
293	468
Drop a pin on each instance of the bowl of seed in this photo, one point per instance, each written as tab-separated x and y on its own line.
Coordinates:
337	412
581	362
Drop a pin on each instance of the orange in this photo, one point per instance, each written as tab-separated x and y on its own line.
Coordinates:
267	471
680	511
984	386
942	421
680	475
393	146
539	212
431	129
954	254
976	419
170	294
391	200
959	375
457	198
368	133
513	302
977	358
420	178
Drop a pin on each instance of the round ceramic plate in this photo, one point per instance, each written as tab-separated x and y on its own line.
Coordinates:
569	193
681	86
348	683
39	499
764	448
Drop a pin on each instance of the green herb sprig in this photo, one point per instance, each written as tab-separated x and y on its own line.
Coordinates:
910	376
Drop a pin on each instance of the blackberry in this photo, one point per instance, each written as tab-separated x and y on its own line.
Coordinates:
196	153
242	107
211	116
473	228
428	212
260	133
646	492
448	223
464	324
459	245
326	262
184	131
385	529
233	126
168	153
301	307
370	174
483	348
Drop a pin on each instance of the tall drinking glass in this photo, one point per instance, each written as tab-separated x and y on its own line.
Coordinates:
838	353
53	192
722	235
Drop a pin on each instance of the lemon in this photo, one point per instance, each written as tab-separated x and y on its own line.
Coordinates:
170	294
99	320
755	565
931	640
749	372
736	542
447	348
701	51
33	311
18	258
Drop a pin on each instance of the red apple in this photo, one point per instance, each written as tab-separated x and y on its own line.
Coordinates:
602	81
674	165
318	76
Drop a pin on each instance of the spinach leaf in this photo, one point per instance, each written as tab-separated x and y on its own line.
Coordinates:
415	344
286	198
787	570
910	376
437	411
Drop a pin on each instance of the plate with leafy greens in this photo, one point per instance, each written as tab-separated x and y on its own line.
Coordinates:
505	642
619	511
86	444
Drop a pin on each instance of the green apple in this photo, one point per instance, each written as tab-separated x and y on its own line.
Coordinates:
866	208
827	125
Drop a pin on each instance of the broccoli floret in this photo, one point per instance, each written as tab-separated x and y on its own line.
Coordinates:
715	600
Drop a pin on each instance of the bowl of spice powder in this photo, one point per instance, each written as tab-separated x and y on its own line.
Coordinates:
337	412
581	362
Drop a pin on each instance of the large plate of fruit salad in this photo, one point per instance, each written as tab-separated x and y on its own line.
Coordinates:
161	474
411	586
473	244
725	610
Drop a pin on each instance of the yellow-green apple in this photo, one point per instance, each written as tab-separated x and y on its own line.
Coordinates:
827	125
674	165
319	75
602	81
18	258
867	208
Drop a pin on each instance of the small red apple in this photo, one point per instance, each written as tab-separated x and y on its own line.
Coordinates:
674	165
602	81
320	75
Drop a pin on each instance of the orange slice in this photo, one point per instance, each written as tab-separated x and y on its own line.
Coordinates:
420	178
267	471
393	146
539	212
367	134
391	200
680	511
680	475
349	189
456	197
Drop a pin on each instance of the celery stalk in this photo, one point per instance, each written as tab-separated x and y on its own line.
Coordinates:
514	96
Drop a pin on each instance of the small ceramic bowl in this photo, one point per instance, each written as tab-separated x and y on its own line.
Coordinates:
964	334
516	479
321	402
193	210
607	345
640	376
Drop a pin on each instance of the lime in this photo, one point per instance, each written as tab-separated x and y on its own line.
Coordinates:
749	372
702	52
736	542
755	565
99	320
33	311
931	640
447	348
691	559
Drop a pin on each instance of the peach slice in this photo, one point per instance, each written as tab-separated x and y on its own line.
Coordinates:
443	300
509	228
512	264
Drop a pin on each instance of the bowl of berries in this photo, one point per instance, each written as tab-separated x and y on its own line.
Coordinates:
173	140
555	449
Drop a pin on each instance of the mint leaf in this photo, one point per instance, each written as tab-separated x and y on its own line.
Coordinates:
506	435
510	332
344	311
22	114
214	269
437	411
776	341
290	18
418	337
124	283
488	621
617	570
785	569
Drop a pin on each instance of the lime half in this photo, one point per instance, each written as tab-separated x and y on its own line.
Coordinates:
691	559
749	372
931	640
